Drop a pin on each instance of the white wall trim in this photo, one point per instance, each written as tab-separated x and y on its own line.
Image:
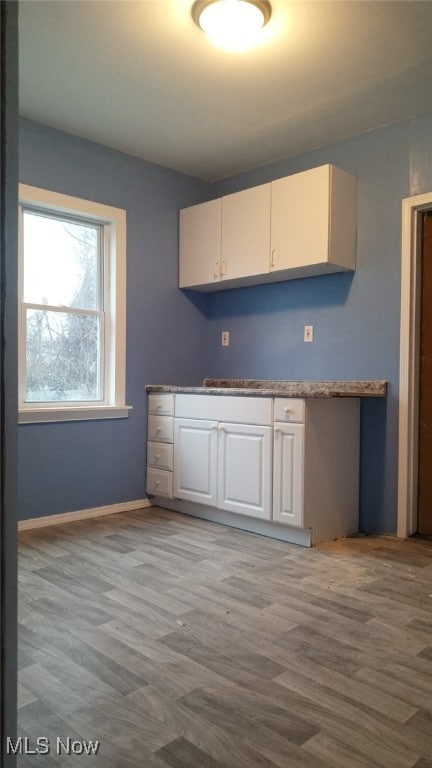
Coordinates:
82	514
47	415
412	208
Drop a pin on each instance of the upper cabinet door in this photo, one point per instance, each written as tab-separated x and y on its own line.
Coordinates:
200	244
246	233
313	222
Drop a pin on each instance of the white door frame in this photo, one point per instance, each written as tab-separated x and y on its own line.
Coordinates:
412	209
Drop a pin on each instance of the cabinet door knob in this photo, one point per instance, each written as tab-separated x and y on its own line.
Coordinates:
277	430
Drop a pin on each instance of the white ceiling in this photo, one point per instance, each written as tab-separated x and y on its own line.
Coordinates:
142	78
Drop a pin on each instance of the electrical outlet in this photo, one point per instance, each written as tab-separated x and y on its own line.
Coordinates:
225	339
308	332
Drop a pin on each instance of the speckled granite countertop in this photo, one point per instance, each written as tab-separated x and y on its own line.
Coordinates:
271	388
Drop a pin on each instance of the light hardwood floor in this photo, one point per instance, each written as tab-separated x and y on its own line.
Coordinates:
181	643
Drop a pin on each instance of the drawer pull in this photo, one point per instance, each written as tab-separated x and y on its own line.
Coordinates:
288	411
158	429
157	482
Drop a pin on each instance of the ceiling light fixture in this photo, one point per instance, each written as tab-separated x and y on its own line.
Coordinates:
232	24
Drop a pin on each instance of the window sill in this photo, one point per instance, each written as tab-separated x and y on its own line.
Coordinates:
72	413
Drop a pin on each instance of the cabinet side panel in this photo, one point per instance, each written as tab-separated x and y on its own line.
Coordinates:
332	458
343	219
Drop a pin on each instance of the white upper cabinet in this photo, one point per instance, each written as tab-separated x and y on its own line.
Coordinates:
200	244
313	223
301	225
246	233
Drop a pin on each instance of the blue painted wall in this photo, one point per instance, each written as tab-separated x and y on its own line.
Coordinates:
65	467
356	316
174	336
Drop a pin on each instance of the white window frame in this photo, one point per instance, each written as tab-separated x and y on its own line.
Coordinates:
113	221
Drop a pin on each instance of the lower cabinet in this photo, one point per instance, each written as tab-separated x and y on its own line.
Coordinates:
279	460
224	465
316	465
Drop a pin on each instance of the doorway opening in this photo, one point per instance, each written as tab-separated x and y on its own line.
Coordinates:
424	503
413	483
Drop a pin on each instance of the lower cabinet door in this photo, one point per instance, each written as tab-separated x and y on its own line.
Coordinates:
288	477
195	465
244	469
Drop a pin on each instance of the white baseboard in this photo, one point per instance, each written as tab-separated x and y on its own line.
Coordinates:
82	514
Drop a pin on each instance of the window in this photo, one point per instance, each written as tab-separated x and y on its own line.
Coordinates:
72	282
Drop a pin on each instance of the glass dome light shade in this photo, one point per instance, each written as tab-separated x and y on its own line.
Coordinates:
231	24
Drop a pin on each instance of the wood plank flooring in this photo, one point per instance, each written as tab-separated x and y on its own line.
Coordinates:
180	643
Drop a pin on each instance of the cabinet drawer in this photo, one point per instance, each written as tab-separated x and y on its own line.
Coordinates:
231	408
160	455
160	429
161	404
159	482
289	409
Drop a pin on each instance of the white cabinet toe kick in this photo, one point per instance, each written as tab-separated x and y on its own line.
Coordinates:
282	467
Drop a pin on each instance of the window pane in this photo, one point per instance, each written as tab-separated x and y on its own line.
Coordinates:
62	356
60	262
